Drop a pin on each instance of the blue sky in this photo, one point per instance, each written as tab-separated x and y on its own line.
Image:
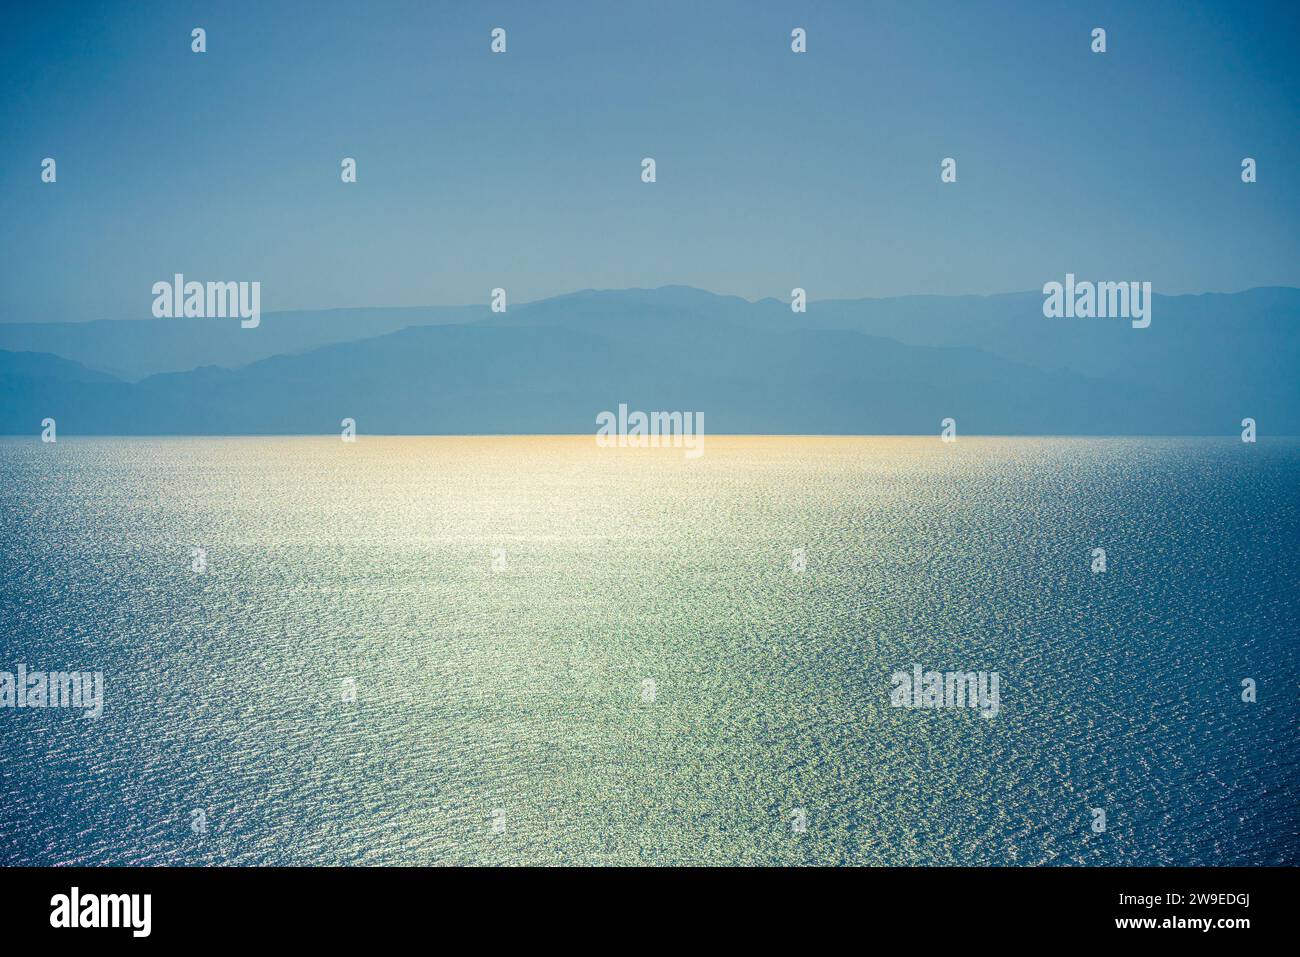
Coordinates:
523	170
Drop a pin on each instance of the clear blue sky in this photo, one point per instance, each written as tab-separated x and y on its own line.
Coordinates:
522	170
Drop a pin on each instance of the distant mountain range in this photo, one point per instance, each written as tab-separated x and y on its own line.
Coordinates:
845	367
134	349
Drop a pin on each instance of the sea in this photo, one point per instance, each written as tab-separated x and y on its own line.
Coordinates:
537	651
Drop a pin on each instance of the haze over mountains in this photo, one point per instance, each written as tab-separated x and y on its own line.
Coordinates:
845	367
138	348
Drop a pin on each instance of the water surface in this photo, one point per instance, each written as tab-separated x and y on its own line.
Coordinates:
500	715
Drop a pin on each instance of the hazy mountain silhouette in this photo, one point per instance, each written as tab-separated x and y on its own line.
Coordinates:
135	348
869	366
1248	341
42	365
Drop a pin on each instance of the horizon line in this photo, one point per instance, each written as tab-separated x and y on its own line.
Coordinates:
661	288
334	436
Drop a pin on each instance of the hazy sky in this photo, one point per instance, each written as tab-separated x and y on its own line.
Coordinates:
522	170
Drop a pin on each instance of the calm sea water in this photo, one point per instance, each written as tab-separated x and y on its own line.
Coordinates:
500	716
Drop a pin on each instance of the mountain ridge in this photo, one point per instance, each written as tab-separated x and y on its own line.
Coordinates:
844	367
